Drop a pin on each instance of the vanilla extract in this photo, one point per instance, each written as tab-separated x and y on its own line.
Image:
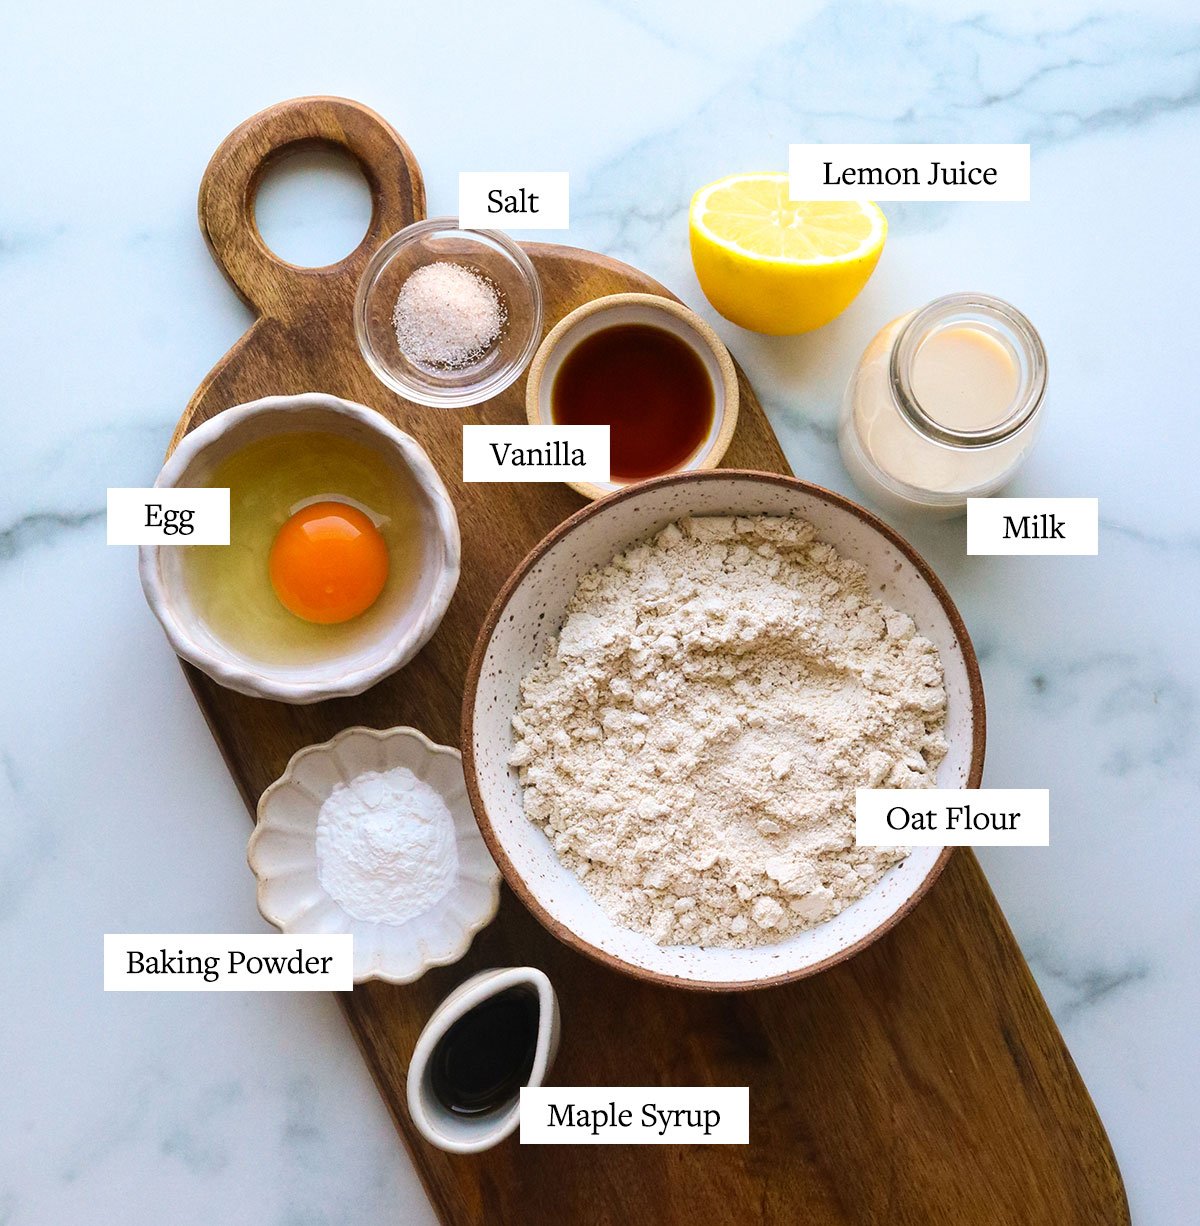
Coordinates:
649	386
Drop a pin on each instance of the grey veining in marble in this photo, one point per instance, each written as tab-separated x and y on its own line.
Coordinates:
116	813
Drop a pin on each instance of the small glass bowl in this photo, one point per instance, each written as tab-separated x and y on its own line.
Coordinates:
488	252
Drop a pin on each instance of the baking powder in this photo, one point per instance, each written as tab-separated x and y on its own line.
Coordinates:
386	849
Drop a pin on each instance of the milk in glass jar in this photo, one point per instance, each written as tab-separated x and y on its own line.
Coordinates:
945	405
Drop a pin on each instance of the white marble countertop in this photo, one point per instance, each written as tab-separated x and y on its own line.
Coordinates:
116	813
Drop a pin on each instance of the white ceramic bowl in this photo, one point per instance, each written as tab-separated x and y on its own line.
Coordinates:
531	607
283	855
659	312
398	636
470	1134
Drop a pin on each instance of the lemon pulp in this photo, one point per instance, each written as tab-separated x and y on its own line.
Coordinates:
777	265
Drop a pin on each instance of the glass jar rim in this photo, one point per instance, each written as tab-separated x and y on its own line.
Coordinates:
918	326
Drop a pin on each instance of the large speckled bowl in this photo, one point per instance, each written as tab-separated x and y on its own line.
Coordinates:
531	607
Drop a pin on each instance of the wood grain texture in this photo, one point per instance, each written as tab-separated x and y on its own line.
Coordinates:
922	1082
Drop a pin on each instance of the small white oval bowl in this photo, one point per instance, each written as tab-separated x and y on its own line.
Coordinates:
657	312
462	1134
283	855
530	608
397	638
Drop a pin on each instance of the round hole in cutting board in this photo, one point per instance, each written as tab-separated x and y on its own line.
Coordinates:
313	207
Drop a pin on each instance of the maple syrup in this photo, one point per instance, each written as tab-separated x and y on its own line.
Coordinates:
485	1058
650	386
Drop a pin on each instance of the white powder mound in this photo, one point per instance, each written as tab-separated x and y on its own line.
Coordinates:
447	316
692	741
386	848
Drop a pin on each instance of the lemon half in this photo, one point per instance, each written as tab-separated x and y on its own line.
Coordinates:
776	265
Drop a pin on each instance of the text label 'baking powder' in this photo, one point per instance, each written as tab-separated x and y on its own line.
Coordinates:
228	962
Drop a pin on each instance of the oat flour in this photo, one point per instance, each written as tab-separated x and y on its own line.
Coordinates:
692	741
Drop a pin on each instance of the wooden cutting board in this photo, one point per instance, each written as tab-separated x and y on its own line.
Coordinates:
921	1082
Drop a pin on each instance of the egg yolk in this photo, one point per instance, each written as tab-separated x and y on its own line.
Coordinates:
328	563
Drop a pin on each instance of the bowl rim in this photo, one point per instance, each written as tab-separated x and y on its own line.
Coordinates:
470	394
247	679
262	877
730	387
517	883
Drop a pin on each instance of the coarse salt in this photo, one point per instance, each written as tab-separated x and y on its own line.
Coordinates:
447	316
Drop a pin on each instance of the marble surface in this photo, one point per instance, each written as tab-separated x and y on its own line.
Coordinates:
116	813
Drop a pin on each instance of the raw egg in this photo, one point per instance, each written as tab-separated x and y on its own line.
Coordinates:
328	563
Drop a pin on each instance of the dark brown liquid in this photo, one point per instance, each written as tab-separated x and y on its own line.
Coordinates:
487	1055
648	385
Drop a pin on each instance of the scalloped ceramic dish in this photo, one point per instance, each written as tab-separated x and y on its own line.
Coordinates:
283	855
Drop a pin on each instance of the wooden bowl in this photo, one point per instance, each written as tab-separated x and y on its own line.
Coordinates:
530	608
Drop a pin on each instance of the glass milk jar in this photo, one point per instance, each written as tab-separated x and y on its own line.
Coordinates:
944	406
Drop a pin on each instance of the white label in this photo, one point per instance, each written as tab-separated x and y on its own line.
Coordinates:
535	453
514	200
1033	525
952	817
227	962
635	1115
909	172
169	516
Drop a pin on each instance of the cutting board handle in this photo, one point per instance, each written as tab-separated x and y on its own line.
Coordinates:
264	281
